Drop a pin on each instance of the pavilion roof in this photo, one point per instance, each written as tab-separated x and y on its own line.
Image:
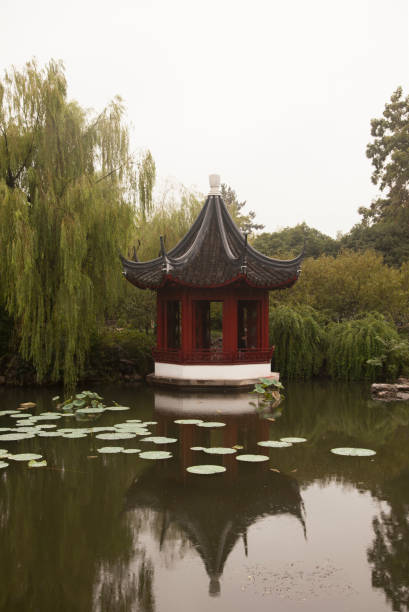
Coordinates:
213	253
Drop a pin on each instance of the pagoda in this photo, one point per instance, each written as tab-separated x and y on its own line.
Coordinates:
212	302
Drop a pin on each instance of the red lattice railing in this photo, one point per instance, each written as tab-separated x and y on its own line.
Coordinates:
208	356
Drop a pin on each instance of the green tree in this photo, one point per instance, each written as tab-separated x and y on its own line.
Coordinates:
246	222
67	185
289	241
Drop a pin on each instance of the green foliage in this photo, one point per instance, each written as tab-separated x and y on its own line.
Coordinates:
288	242
120	353
138	310
245	222
386	237
389	153
363	348
269	389
343	287
66	210
146	182
84	399
299	339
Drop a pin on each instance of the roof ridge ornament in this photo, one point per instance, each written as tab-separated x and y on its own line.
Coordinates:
214	181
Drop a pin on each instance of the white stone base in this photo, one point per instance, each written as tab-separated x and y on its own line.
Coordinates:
241	371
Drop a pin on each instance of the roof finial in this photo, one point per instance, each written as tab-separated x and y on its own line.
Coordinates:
214	180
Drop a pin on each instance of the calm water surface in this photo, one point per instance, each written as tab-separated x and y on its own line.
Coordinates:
116	533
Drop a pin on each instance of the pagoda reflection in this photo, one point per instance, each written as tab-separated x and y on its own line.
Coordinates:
213	512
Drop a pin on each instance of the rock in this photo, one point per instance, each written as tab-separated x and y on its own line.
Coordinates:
27	405
391	392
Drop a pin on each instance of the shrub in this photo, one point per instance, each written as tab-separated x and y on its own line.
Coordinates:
364	348
299	338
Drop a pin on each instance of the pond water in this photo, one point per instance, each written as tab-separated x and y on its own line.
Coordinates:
306	529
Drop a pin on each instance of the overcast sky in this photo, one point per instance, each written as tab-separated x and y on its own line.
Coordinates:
276	96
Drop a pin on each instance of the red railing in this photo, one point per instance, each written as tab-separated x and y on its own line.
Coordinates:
208	356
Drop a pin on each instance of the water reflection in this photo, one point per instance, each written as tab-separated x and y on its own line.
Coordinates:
214	513
116	533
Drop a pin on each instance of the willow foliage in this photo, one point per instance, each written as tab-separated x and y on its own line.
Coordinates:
66	180
353	343
299	340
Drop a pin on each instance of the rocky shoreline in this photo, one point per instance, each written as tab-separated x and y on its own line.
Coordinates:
394	392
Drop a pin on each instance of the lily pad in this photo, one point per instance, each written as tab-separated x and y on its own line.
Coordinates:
188	421
219	450
8	412
155	455
25	457
354	452
3	429
90	410
159	440
133	421
125	435
274	443
49	434
3	464
15	436
293	440
3	452
206	469
49	417
99	429
211	424
252	458
36	464
147	423
197	448
21	415
131	451
110	449
117	408
74	434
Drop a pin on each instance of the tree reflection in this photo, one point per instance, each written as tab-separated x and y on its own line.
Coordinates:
389	554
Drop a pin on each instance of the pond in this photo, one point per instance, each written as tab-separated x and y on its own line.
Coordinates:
305	529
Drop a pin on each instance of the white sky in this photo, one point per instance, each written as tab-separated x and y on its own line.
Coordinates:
274	95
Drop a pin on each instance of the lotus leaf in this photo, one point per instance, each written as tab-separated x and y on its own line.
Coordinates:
15	436
197	448
110	449
75	434
125	435
25	457
252	458
155	455
90	410
117	408
3	429
81	396
293	440
131	451
274	443
49	417
36	464
188	421
211	424
147	423
19	415
219	450
354	452
49	434
159	440
8	412
3	464
133	421
206	469
3	452
79	402
98	429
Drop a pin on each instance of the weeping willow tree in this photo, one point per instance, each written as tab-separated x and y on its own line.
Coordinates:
299	340
146	182
364	348
67	186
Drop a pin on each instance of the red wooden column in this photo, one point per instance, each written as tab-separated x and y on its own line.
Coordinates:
160	318
187	323
230	322
264	321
